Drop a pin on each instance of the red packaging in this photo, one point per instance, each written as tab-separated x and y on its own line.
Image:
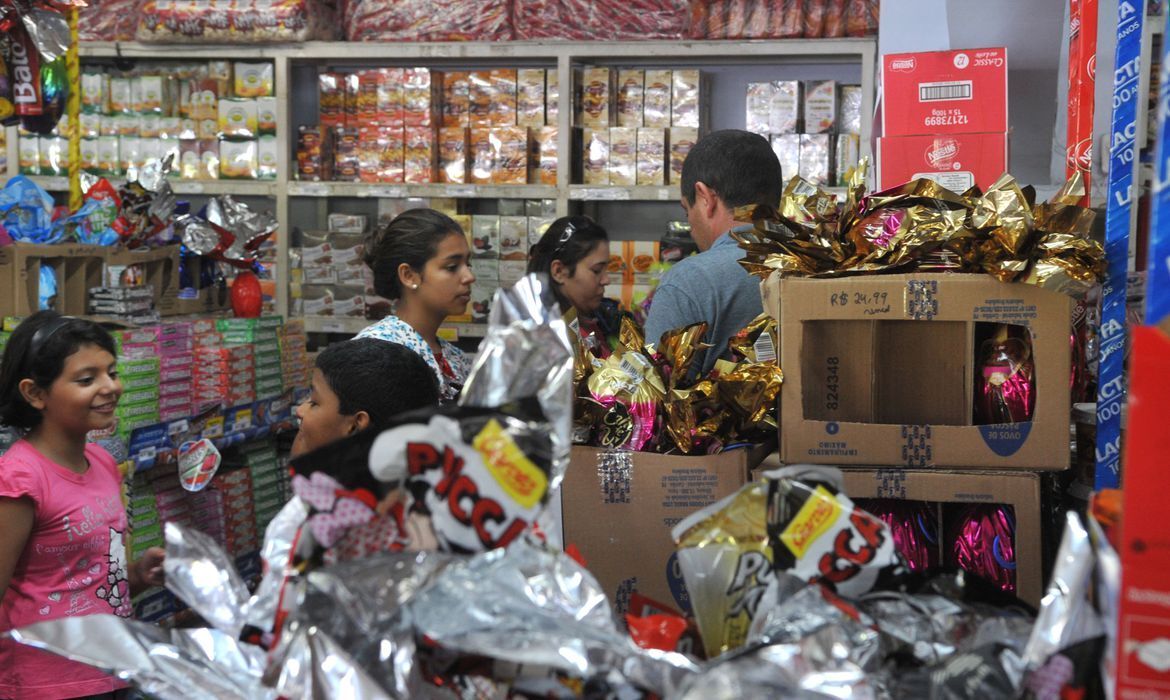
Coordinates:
1082	80
1144	618
419	155
418	96
955	161
331	99
389	97
427	20
481	94
945	92
453	155
456	99
25	72
601	20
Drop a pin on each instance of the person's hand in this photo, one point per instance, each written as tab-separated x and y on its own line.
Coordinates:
148	570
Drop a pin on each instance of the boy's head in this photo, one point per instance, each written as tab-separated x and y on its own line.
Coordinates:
358	384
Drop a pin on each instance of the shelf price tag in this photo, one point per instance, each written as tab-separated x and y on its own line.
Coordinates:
664	194
609	194
181	187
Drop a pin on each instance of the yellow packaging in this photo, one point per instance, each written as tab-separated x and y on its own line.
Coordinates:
190	163
651	156
239	160
596	97
552	97
266	157
29	154
419	154
530	97
595	156
238	118
631	86
208	159
482	91
656	98
623	156
254	79
148	94
91	125
89	154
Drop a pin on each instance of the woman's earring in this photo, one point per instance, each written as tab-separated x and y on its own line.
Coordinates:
414	286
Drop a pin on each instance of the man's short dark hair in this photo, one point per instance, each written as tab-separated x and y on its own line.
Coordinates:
739	165
378	377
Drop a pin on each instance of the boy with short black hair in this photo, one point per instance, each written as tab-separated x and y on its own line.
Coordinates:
358	384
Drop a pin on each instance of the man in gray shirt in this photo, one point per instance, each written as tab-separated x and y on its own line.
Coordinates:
725	169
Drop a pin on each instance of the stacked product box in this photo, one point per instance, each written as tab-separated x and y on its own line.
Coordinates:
240	532
175	381
268	489
335	281
224	375
145	524
294	357
637	125
139	356
944	118
262	336
128	304
814	126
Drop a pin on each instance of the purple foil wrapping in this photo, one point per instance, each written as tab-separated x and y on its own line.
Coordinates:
914	527
982	542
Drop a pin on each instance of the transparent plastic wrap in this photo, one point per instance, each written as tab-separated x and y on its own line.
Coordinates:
108	20
782	19
231	22
601	20
427	20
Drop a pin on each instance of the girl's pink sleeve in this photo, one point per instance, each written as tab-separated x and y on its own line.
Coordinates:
18	479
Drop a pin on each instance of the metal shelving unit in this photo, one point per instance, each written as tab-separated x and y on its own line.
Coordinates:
564	56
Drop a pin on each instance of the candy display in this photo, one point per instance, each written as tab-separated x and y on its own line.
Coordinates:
924	226
790	19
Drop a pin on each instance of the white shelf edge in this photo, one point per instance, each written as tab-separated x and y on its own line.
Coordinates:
60	183
353	326
719	50
298	188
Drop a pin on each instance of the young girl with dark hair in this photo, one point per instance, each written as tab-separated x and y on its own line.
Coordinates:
62	523
421	260
574	253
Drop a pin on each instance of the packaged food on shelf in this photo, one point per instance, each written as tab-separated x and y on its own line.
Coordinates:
656	98
846	155
631	85
530	97
685	98
238	118
543	168
595	156
485	236
108	20
456	104
502	110
453	152
782	19
681	139
816	157
427	20
850	109
419	97
651	156
481	156
254	79
29	155
331	99
223	22
552	97
346	154
510	155
266	156
601	20
513	233
820	106
623	156
239	160
419	154
266	116
597	87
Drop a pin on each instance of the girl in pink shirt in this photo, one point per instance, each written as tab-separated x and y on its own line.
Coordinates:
62	524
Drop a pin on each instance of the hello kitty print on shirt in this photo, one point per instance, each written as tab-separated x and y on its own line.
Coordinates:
116	590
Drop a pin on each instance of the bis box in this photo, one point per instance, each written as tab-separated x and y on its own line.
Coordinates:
955	161
881	370
945	92
619	508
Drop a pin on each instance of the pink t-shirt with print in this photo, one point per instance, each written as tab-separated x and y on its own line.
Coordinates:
73	564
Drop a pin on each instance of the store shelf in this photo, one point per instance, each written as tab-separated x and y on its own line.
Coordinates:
708	51
353	326
652	193
365	189
58	183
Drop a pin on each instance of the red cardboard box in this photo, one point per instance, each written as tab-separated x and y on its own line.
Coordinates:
945	92
955	161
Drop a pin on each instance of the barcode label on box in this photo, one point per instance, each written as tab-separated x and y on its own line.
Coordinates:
940	92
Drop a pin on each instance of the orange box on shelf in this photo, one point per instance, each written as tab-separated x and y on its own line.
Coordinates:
510	155
503	106
456	99
481	155
419	155
543	168
955	161
482	94
418	96
453	155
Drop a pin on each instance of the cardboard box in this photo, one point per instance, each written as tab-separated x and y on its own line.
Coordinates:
509	155
619	508
543	164
820	106
881	371
76	268
457	99
945	92
955	161
1020	490
453	155
530	97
